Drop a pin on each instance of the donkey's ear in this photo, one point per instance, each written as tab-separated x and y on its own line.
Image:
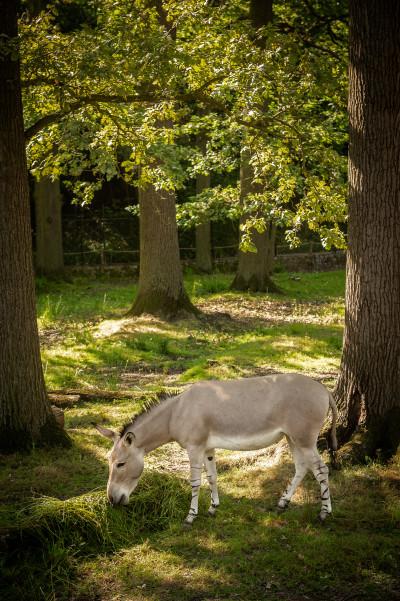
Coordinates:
129	438
106	432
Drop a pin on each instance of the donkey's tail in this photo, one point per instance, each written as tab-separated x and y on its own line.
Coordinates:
334	410
333	439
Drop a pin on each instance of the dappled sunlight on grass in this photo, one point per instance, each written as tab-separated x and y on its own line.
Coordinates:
248	551
265	333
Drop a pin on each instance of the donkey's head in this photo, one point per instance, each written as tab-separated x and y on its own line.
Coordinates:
126	462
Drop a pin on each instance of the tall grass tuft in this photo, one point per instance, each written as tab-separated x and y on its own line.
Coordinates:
49	534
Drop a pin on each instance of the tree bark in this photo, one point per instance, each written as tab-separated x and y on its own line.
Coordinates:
203	247
25	412
254	269
203	231
49	247
368	389
161	291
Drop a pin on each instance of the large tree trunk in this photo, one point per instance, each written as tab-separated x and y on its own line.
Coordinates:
25	412
161	290
49	247
368	390
254	269
203	231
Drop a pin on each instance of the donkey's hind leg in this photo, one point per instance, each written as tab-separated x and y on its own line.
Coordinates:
321	473
301	466
211	469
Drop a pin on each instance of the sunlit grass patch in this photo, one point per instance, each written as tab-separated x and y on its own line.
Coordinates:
87	340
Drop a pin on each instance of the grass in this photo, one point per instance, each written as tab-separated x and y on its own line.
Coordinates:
87	342
63	542
67	530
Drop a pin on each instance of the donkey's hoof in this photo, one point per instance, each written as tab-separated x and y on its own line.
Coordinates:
187	525
189	520
282	506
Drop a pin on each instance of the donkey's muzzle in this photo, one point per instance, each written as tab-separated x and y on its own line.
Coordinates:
118	500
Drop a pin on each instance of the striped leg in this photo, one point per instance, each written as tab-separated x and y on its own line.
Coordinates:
301	470
211	469
196	460
320	471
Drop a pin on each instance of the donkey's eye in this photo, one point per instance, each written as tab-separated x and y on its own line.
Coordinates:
121	464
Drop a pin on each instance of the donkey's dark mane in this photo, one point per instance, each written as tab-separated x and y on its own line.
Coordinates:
148	407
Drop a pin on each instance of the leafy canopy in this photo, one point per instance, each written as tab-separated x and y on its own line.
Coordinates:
139	85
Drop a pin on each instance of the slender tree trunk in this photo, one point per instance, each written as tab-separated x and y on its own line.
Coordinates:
49	248
254	269
203	247
161	290
25	412
368	389
203	231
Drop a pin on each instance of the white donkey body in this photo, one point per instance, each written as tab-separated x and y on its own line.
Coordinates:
245	414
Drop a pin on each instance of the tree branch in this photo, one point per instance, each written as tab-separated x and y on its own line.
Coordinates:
57	116
148	97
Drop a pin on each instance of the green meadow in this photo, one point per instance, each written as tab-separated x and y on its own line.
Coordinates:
59	538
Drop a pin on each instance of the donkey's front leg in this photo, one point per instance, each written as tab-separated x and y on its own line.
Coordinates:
196	456
211	469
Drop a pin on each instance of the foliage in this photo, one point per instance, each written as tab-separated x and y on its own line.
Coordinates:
104	99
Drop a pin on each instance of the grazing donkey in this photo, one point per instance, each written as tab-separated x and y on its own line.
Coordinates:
245	414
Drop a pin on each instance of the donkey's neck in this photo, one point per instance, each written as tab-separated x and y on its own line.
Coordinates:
152	430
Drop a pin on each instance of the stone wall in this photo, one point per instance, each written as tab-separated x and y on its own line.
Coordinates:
316	261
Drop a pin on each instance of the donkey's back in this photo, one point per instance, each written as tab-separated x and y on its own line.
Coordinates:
251	413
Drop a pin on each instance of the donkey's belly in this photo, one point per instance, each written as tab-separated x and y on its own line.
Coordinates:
243	442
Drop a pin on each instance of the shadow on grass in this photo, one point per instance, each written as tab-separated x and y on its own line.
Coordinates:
246	552
249	552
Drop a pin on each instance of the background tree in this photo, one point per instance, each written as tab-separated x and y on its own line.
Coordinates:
25	413
160	290
368	390
254	268
49	259
203	230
